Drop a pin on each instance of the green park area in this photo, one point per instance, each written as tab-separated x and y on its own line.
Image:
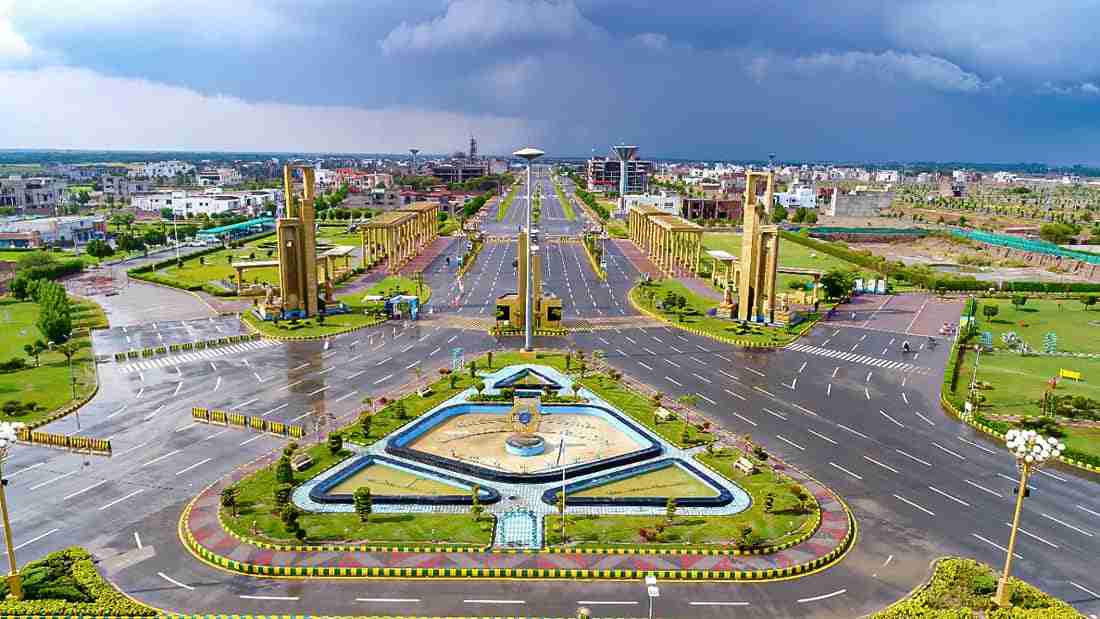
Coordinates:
964	588
566	204
503	205
681	306
258	504
66	583
37	382
669	481
390	480
791	254
1013	386
362	313
789	516
15	255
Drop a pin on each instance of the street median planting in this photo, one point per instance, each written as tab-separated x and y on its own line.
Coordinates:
66	584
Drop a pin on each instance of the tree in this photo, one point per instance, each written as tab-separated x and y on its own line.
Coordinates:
35	350
154	237
365	422
98	249
1019	300
1088	301
811	217
399	410
479	386
769	502
1057	233
121	220
364	503
55	319
670	510
779	214
166	213
281	494
284	474
989	311
488	358
229	499
476	508
838	283
335	442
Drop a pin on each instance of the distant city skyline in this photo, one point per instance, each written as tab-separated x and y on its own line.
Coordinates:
930	80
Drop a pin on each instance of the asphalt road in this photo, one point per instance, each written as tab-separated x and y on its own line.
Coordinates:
844	404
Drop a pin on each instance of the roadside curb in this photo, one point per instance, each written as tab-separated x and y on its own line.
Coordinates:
719	338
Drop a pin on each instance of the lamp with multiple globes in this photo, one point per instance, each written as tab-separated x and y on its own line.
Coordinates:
9	434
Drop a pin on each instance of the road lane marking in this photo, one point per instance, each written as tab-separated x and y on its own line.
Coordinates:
790	442
128	450
53	479
1066	525
707	399
856	432
973	444
1033	536
835	465
326	370
494	602
745	419
159	458
177	390
293	384
984	489
1094	513
34	466
275	598
866	393
926	420
277	408
817	598
802	367
835	370
137	540
885	466
948	496
389	600
382	362
607	602
995	545
175	582
33	540
773	413
194	466
1015	481
895	421
736	395
119	411
757	372
821	436
80	492
119	500
1052	475
767	393
914	458
1092	593
673	381
645	366
912	504
244	404
384	378
946	450
319	390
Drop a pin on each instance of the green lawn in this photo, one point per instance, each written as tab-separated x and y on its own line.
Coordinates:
1067	318
617	229
449	227
790	255
785	521
502	206
14	255
670	481
566	205
216	266
338	235
49	385
695	315
389	286
389	480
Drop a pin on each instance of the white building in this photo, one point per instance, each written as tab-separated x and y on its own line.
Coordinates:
887	176
219	176
209	202
804	196
167	169
26	193
667	202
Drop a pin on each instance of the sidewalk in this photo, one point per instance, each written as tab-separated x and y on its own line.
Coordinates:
640	261
430	253
207	538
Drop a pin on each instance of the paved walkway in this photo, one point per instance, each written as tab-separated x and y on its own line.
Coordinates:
640	261
430	253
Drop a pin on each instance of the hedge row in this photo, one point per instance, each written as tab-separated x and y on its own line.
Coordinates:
106	600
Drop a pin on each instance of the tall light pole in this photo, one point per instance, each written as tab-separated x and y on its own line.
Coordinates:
529	154
414	151
8	436
1031	451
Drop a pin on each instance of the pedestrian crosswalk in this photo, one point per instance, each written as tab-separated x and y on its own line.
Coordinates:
194	355
885	364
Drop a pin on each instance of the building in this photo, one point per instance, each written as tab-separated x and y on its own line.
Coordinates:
362	181
31	193
798	196
87	172
167	169
458	171
669	203
52	231
711	208
218	176
858	203
603	175
123	187
887	176
210	202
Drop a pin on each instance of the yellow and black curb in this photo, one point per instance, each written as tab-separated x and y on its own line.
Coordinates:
228	418
308	338
727	340
64	441
950	409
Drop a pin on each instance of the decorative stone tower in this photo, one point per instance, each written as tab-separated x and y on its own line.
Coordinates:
759	253
297	237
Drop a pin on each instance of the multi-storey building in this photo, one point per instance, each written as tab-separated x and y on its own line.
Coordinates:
458	171
52	231
209	202
219	176
31	193
604	172
167	169
122	187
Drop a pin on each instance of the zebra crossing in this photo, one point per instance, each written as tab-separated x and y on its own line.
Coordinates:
194	355
885	364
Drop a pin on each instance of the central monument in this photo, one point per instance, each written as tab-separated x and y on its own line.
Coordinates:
525	419
759	253
297	236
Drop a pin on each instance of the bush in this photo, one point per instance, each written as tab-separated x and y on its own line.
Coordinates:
13	365
66	583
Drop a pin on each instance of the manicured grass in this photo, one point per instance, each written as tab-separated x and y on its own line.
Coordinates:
695	315
566	205
338	235
617	230
449	227
785	521
1016	385
15	255
643	410
389	286
670	481
790	255
215	267
337	323
1067	318
964	588
502	206
48	385
389	480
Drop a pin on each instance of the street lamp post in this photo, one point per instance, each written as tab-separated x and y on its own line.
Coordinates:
529	154
651	591
1031	451
8	436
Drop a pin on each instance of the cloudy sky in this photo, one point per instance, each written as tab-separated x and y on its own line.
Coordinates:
857	80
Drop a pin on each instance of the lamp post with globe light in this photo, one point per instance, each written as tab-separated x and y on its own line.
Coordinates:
529	154
1031	451
9	434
